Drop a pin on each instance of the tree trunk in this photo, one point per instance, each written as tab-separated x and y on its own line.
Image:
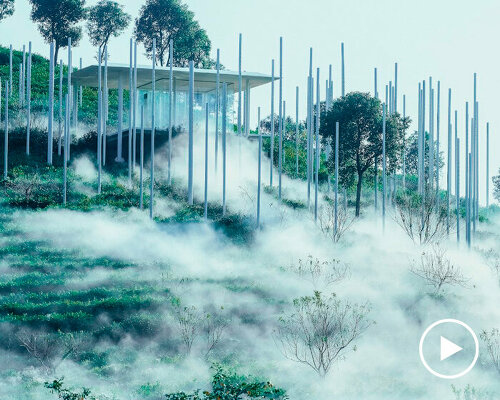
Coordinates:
56	53
358	194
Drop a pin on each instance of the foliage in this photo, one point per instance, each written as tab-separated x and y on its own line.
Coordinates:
422	218
230	386
326	219
57	387
471	393
321	274
58	21
496	187
39	188
6	8
320	330
166	20
106	19
412	156
437	270
491	340
360	137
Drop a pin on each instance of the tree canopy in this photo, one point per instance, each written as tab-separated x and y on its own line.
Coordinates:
6	8
164	20
496	187
58	21
106	19
360	137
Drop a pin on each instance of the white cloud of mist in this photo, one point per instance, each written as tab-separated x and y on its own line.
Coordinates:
386	364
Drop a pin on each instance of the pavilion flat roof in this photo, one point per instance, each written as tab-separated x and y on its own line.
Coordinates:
205	79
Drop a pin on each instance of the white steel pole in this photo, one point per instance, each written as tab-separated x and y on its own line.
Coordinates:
81	87
395	87
205	209
65	155
297	131
105	107
224	132
10	67
438	142
70	68
28	103
60	138
431	135
141	171
99	135
343	69
130	116
375	83
153	130
318	149
51	105
280	155
487	165
239	86
6	134
134	109
384	176
271	152
171	105
336	175
457	184
191	133
259	167
467	177
119	142
23	77
448	186
404	144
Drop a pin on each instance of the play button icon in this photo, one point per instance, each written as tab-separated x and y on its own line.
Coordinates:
448	348
458	348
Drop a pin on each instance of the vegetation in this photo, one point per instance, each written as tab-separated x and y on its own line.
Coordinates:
166	20
491	340
106	19
496	187
320	330
58	21
360	137
230	386
437	270
6	8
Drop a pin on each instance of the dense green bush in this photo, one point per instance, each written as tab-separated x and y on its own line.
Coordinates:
231	386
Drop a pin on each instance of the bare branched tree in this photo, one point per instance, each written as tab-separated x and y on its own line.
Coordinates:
492	341
420	217
437	270
321	274
50	350
326	221
320	330
188	321
493	260
214	326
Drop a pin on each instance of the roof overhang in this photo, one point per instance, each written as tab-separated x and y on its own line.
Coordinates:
205	79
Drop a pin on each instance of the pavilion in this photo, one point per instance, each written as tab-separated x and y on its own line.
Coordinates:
118	77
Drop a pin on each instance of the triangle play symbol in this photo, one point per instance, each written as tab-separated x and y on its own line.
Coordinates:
448	348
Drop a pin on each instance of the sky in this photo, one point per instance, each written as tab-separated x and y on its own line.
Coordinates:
448	40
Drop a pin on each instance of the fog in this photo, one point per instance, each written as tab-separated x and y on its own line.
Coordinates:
194	260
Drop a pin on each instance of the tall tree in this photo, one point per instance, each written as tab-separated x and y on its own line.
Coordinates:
6	8
360	137
106	19
164	20
57	21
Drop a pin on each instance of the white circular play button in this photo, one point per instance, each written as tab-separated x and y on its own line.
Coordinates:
458	348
